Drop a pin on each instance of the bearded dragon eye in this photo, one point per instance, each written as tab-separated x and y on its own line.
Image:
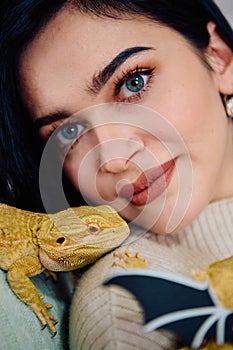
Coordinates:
93	228
61	240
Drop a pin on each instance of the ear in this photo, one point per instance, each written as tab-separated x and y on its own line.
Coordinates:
220	58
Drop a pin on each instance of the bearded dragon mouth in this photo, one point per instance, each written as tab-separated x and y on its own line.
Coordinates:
72	247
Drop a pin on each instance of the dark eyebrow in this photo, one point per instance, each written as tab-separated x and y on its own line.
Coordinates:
50	118
98	81
101	78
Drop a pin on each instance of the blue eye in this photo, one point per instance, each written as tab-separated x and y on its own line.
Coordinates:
67	133
70	131
135	83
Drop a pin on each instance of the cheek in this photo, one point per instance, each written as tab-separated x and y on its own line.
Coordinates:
195	112
71	171
81	168
185	94
75	166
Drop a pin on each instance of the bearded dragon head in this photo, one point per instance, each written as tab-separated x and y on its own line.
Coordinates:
79	236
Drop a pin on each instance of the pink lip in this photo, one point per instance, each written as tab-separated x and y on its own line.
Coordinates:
149	185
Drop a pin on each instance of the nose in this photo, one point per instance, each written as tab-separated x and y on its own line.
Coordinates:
117	147
114	166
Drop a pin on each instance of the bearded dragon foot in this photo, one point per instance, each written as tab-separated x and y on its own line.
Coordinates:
41	310
199	275
128	260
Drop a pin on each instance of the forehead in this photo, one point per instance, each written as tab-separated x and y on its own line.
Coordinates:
71	48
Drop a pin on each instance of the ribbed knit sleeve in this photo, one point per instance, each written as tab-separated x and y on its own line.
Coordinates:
110	318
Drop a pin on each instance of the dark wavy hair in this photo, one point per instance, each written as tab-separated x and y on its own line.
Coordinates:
20	21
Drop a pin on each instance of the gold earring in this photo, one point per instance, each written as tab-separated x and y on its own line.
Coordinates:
229	106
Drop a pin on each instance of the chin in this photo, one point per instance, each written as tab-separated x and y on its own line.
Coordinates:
169	220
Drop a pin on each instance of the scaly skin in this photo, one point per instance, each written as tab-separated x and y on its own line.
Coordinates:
68	240
220	277
212	346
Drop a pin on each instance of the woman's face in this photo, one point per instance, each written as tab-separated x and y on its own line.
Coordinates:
167	142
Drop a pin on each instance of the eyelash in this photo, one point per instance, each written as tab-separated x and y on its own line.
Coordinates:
52	128
119	82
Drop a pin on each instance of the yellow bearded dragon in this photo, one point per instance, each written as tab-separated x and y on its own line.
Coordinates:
31	243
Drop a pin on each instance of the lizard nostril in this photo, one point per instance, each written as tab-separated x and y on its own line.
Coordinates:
61	240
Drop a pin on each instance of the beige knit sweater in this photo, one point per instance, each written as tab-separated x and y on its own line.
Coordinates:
110	318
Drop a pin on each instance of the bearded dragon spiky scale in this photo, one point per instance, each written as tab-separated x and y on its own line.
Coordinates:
68	240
